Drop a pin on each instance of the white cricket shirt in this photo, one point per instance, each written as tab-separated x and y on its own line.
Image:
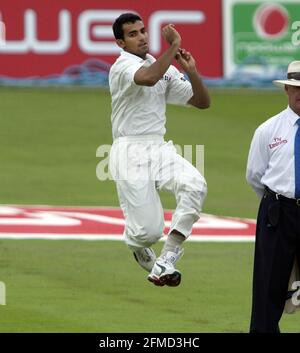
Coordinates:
140	110
271	156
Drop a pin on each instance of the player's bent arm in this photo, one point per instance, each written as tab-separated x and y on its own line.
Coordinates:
201	98
253	178
149	76
257	163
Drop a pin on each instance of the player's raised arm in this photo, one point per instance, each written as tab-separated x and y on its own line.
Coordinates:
149	76
201	98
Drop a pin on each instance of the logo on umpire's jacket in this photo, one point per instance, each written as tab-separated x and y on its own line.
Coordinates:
277	142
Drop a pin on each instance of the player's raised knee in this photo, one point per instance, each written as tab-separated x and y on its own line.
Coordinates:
154	232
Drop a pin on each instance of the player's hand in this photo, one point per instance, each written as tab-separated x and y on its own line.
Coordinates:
170	34
186	60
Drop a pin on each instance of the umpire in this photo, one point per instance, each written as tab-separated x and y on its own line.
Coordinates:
273	171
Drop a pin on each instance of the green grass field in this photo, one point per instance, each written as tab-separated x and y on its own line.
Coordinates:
48	143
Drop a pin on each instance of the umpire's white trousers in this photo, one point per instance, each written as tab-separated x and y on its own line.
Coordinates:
143	165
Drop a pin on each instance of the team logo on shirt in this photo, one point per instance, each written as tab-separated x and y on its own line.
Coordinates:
166	78
277	142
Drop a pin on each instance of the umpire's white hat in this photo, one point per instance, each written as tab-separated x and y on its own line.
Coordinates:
293	75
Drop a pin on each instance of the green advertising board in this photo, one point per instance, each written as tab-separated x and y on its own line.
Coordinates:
260	33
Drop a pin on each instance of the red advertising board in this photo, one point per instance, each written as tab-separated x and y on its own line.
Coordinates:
46	37
92	223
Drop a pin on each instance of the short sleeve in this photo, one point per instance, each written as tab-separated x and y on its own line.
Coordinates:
122	76
127	75
258	160
179	89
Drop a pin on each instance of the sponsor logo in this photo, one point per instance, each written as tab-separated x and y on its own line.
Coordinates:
162	268
166	78
66	34
93	37
271	21
260	37
277	142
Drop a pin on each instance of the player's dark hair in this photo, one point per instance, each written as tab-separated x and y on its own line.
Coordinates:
124	18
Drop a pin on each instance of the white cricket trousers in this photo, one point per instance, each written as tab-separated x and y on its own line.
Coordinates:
143	165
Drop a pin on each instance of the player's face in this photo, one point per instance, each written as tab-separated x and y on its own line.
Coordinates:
293	93
135	39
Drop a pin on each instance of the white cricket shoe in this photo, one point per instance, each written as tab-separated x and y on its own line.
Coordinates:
145	257
164	271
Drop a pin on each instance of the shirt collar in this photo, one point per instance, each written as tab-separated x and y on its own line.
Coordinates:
126	54
292	116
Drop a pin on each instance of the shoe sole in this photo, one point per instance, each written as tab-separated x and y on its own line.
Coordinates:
171	280
156	281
